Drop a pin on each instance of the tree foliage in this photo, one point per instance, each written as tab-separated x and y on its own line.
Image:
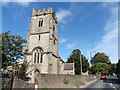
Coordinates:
100	68
113	68
75	57
101	64
12	47
100	58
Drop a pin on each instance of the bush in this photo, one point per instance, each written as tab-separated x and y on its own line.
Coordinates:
78	83
3	81
65	81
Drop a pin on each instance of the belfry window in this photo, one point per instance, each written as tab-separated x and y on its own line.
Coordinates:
40	22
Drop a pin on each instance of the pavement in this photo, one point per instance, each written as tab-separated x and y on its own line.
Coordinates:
111	83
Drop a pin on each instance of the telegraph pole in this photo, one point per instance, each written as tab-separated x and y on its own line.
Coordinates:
80	64
91	56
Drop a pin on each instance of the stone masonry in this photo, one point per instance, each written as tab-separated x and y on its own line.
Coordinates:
42	45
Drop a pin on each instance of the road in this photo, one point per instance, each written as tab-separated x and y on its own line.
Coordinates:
110	83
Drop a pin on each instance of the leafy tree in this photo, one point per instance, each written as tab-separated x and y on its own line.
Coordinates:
92	69
76	52
85	63
12	47
101	64
100	58
75	57
113	68
100	68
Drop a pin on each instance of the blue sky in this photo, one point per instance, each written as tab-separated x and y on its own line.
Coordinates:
88	26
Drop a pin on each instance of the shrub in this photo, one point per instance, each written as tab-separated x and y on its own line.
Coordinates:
78	83
65	81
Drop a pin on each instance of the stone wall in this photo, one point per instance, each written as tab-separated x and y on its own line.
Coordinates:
55	81
59	80
18	83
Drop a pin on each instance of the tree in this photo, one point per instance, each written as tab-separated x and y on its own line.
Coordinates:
113	69
75	57
99	58
85	63
101	64
100	68
12	47
76	52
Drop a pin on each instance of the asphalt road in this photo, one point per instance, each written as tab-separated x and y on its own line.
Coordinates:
111	83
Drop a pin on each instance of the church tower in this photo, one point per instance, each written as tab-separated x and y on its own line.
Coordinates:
42	44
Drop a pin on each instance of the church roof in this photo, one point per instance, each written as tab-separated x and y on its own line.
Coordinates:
68	66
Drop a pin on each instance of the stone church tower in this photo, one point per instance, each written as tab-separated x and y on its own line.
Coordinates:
42	44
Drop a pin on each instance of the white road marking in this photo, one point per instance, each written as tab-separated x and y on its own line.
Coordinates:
113	86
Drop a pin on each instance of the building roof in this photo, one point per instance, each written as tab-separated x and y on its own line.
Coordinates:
68	66
60	58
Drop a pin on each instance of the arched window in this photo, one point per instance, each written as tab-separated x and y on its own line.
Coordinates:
37	53
41	58
35	57
38	58
40	22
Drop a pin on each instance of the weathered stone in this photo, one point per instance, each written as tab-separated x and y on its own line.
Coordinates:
42	45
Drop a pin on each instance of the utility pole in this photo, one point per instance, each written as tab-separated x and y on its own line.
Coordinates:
80	64
91	56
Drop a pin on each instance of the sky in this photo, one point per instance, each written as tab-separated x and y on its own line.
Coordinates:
88	26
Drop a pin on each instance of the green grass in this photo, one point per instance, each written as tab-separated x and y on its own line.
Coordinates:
78	83
65	81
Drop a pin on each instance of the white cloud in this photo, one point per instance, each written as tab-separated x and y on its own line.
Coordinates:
62	15
109	41
71	45
62	40
19	2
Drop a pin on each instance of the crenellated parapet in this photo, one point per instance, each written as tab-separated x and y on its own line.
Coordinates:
44	12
